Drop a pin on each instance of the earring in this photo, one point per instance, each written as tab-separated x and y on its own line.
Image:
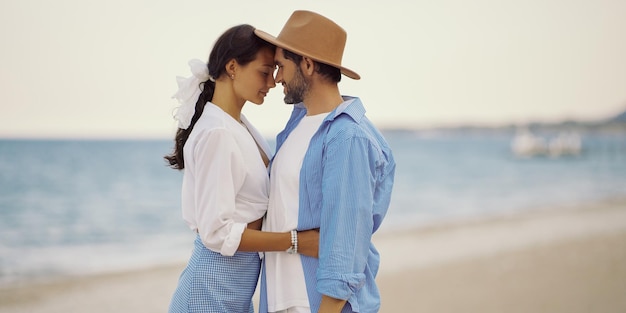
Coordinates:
232	76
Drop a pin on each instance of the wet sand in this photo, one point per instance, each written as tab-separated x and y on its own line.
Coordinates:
549	260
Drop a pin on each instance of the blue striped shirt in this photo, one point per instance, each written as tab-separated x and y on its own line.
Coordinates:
345	188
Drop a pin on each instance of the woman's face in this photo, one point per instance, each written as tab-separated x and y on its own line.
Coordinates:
256	78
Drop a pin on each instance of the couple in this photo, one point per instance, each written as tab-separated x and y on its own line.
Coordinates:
328	188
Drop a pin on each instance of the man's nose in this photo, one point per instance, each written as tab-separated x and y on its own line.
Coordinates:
279	77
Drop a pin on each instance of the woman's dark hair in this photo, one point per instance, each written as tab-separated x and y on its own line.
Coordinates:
328	71
238	43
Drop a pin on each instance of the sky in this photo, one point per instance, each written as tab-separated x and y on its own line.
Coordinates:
107	69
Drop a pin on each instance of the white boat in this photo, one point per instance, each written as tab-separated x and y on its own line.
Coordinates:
526	144
565	144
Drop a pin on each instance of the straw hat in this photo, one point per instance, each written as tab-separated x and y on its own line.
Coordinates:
312	35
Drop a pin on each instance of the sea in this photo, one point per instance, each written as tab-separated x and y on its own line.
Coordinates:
81	207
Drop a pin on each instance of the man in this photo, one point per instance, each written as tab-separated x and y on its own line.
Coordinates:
333	170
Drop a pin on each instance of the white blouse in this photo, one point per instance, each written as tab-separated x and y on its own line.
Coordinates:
225	181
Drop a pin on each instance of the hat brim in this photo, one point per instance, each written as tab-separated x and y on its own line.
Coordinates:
273	40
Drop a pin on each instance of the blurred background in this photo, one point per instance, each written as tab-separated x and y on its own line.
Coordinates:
106	69
491	107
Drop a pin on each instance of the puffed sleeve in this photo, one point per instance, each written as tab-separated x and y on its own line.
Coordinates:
220	174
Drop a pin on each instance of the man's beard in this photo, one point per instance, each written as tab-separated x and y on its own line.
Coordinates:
296	88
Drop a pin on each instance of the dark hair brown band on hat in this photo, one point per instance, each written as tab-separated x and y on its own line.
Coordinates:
312	35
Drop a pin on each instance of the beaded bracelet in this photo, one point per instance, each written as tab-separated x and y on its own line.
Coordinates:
294	243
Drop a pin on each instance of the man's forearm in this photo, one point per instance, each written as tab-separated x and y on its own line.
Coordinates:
331	305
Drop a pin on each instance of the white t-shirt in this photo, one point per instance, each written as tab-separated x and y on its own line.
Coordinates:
285	278
225	182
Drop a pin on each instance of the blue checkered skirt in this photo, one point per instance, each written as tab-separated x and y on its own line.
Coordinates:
212	282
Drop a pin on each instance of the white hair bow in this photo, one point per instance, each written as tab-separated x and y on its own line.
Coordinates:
189	91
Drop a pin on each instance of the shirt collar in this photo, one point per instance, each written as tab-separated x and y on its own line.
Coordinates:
351	106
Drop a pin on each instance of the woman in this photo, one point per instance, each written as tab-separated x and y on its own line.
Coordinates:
225	182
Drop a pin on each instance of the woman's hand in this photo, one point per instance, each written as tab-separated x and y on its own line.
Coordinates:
309	242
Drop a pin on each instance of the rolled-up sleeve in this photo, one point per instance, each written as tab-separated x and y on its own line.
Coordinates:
349	179
220	173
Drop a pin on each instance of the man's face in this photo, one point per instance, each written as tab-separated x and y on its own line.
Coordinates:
292	78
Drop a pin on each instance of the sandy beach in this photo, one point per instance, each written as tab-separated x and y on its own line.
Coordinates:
550	260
